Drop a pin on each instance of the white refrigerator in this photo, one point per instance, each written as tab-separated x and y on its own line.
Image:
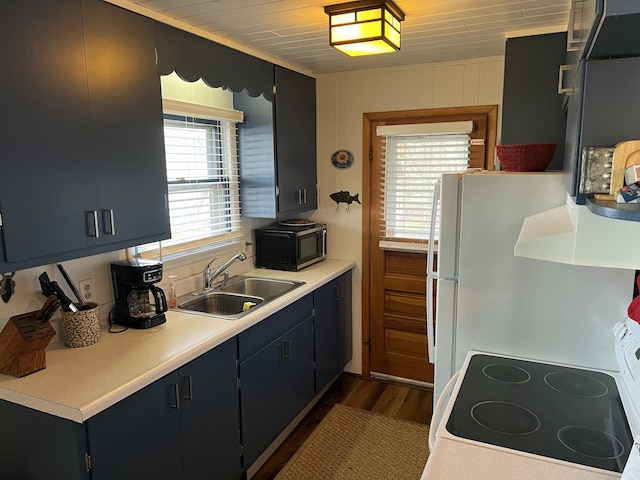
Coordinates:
492	301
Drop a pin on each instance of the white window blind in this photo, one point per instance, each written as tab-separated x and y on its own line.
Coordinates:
203	184
414	157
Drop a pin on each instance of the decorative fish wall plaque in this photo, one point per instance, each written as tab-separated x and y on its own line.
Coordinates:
343	196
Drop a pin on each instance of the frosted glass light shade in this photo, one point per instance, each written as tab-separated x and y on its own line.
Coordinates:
365	27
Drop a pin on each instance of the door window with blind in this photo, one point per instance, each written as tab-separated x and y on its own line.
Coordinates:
203	183
413	158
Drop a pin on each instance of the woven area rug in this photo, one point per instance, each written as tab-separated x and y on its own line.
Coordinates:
354	444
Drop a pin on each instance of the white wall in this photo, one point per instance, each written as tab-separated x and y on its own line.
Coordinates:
343	99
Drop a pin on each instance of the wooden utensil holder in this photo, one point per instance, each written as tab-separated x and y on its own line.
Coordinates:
23	341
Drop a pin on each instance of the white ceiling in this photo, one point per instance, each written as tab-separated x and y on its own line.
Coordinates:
296	32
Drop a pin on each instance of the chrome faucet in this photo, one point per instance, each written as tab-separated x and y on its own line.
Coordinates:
208	276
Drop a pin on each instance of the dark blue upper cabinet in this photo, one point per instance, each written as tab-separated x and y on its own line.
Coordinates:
83	164
295	141
127	137
531	107
277	148
45	129
193	58
618	31
604	29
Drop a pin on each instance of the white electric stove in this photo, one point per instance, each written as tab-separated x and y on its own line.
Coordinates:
521	419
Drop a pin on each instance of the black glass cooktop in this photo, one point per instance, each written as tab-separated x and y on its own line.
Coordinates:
557	412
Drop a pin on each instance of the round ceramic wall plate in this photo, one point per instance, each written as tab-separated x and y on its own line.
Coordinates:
342	159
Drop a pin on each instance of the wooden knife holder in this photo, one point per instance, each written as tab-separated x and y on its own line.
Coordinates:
23	341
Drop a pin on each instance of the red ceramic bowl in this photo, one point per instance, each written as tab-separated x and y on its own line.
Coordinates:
525	157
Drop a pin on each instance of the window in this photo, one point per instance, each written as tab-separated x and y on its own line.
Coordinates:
203	184
414	157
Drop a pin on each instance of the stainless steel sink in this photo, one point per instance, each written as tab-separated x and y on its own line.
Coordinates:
260	287
237	298
222	304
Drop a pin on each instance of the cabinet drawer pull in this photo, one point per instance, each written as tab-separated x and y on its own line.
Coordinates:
109	222
92	224
189	391
176	396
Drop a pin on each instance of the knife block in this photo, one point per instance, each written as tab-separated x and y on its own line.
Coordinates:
22	344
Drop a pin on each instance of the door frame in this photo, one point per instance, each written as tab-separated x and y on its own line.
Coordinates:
491	112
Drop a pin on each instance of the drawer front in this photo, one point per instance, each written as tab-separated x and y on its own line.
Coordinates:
271	327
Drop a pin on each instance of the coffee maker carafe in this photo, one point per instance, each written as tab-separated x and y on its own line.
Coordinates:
139	303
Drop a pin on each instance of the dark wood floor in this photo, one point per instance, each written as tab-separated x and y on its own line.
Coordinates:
394	400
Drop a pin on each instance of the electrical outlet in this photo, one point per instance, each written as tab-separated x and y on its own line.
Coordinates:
87	290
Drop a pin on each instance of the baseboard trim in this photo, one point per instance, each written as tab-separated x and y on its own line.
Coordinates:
402	380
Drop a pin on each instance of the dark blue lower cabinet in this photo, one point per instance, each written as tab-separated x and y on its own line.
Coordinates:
211	416
326	329
198	422
39	446
297	370
345	319
183	426
276	384
139	437
332	329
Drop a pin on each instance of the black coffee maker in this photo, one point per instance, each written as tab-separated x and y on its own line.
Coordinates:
139	303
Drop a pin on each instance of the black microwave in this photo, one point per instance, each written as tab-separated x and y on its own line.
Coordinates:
286	247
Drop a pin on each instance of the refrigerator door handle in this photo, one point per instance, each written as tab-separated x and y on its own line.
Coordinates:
431	271
431	341
431	251
432	275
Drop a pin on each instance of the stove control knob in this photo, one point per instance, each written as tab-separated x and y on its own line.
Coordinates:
620	330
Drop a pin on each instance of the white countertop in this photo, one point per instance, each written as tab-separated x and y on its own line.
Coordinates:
455	460
78	383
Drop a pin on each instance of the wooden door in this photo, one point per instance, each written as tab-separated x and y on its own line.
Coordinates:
394	281
398	314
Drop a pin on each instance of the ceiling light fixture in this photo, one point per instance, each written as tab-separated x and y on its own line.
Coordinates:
365	27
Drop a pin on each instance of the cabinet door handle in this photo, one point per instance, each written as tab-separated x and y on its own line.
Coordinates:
189	391
561	88
176	396
287	350
304	194
300	197
280	354
108	215
92	220
573	43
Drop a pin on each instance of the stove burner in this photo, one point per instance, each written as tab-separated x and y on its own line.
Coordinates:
576	384
506	373
504	417
590	443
